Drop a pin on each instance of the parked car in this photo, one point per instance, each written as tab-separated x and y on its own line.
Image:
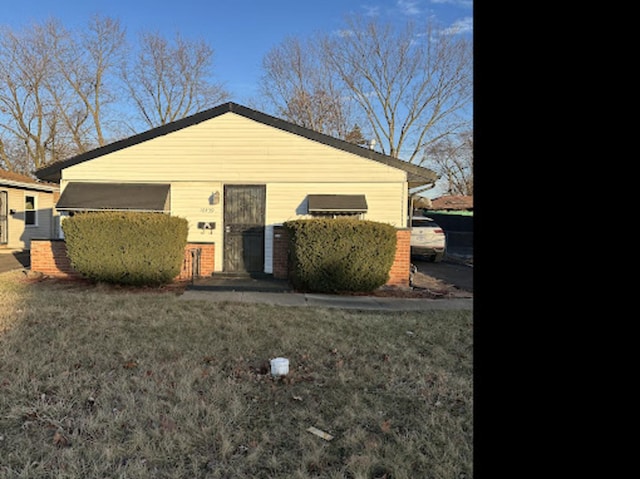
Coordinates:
427	239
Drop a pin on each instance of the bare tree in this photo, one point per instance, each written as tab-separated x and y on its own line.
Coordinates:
13	156
58	88
27	111
453	161
53	90
303	90
411	84
86	77
170	81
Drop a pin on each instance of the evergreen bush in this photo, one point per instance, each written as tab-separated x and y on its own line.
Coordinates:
340	255
128	248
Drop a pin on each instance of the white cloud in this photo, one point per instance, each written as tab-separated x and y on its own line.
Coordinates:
371	10
408	7
459	3
464	25
344	33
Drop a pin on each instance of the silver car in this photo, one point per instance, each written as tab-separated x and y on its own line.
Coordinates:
427	239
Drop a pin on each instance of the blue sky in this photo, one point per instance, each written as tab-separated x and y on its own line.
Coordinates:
240	32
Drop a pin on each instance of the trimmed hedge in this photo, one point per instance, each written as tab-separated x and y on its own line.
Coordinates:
127	248
340	255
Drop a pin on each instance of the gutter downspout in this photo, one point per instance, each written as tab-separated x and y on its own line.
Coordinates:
413	195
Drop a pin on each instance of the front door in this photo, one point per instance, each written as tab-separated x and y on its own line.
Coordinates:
4	211
244	217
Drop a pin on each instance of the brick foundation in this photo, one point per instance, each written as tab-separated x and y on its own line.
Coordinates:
401	267
207	260
398	275
50	257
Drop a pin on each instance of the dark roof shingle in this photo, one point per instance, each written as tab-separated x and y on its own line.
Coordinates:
452	202
9	177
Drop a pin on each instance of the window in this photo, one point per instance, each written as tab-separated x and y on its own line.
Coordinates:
30	213
421	222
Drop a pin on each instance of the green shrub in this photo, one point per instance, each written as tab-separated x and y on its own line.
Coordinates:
340	255
126	247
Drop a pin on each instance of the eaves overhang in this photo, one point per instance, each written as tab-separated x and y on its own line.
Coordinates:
416	175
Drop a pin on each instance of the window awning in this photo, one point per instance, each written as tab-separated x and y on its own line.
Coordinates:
337	204
114	196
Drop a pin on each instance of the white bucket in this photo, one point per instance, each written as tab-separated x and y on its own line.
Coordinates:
279	366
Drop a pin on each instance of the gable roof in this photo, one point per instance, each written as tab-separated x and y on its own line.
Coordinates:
416	175
452	202
9	178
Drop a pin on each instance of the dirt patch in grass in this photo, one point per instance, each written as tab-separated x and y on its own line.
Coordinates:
424	286
82	284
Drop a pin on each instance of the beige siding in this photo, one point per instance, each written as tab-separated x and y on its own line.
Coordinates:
287	201
232	148
20	235
193	201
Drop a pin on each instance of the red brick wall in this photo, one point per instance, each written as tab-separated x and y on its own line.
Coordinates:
401	267
207	260
50	257
398	275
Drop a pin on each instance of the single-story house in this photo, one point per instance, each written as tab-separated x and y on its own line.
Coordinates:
452	203
236	174
26	210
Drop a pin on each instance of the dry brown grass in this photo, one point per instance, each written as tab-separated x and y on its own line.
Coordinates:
99	383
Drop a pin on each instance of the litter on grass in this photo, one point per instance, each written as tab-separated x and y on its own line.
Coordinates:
319	433
279	367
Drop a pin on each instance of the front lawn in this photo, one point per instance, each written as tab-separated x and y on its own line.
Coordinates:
98	382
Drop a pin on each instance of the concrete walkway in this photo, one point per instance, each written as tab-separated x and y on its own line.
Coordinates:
13	259
367	303
265	289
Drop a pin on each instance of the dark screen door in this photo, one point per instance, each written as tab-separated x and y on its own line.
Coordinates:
244	216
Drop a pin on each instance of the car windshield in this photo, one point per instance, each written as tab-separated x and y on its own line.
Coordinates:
423	222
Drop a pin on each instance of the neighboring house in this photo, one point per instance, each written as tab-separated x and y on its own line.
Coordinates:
454	213
452	203
26	210
236	174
